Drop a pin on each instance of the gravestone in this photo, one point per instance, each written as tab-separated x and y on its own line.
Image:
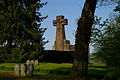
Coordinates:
17	69
36	62
23	69
30	69
61	44
32	62
28	62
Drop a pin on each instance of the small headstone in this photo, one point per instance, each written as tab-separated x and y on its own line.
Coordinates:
23	69
17	69
36	62
30	69
28	62
32	62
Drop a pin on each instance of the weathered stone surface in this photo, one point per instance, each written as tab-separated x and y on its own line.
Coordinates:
17	69
61	44
30	69
23	69
32	62
36	62
28	62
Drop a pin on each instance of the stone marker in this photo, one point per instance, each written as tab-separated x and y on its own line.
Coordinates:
28	62
17	69
23	69
61	44
30	69
32	62
36	62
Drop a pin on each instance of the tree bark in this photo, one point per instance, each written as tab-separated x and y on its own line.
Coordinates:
80	64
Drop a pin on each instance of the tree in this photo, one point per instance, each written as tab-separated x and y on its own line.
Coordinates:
80	64
20	22
108	46
117	7
108	40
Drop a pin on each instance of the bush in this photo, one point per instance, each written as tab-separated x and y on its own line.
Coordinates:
112	75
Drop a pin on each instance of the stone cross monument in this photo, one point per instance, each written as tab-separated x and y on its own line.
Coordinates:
61	44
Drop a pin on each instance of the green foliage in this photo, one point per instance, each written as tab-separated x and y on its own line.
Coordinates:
107	46
98	30
117	7
20	31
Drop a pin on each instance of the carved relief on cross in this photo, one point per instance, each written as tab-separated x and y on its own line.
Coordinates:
60	21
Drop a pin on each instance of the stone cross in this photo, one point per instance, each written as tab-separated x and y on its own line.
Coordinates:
60	32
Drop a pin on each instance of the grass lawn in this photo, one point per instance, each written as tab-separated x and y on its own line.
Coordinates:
42	67
61	71
43	71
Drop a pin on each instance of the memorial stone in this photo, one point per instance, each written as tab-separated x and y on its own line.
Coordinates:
23	69
30	69
61	44
28	62
36	62
32	62
17	69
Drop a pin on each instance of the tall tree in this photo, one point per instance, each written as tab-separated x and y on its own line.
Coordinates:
20	22
80	64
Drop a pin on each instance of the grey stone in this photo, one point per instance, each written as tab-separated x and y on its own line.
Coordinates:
32	62
23	69
17	69
36	62
28	62
30	69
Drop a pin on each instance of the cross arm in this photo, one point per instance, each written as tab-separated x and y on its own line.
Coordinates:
55	22
64	22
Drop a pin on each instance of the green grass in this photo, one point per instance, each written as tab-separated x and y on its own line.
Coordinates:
62	70
91	64
52	65
42	68
52	68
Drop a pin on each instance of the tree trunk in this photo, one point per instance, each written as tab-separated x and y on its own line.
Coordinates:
80	64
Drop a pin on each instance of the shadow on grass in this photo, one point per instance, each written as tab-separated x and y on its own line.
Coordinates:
61	71
54	74
63	74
